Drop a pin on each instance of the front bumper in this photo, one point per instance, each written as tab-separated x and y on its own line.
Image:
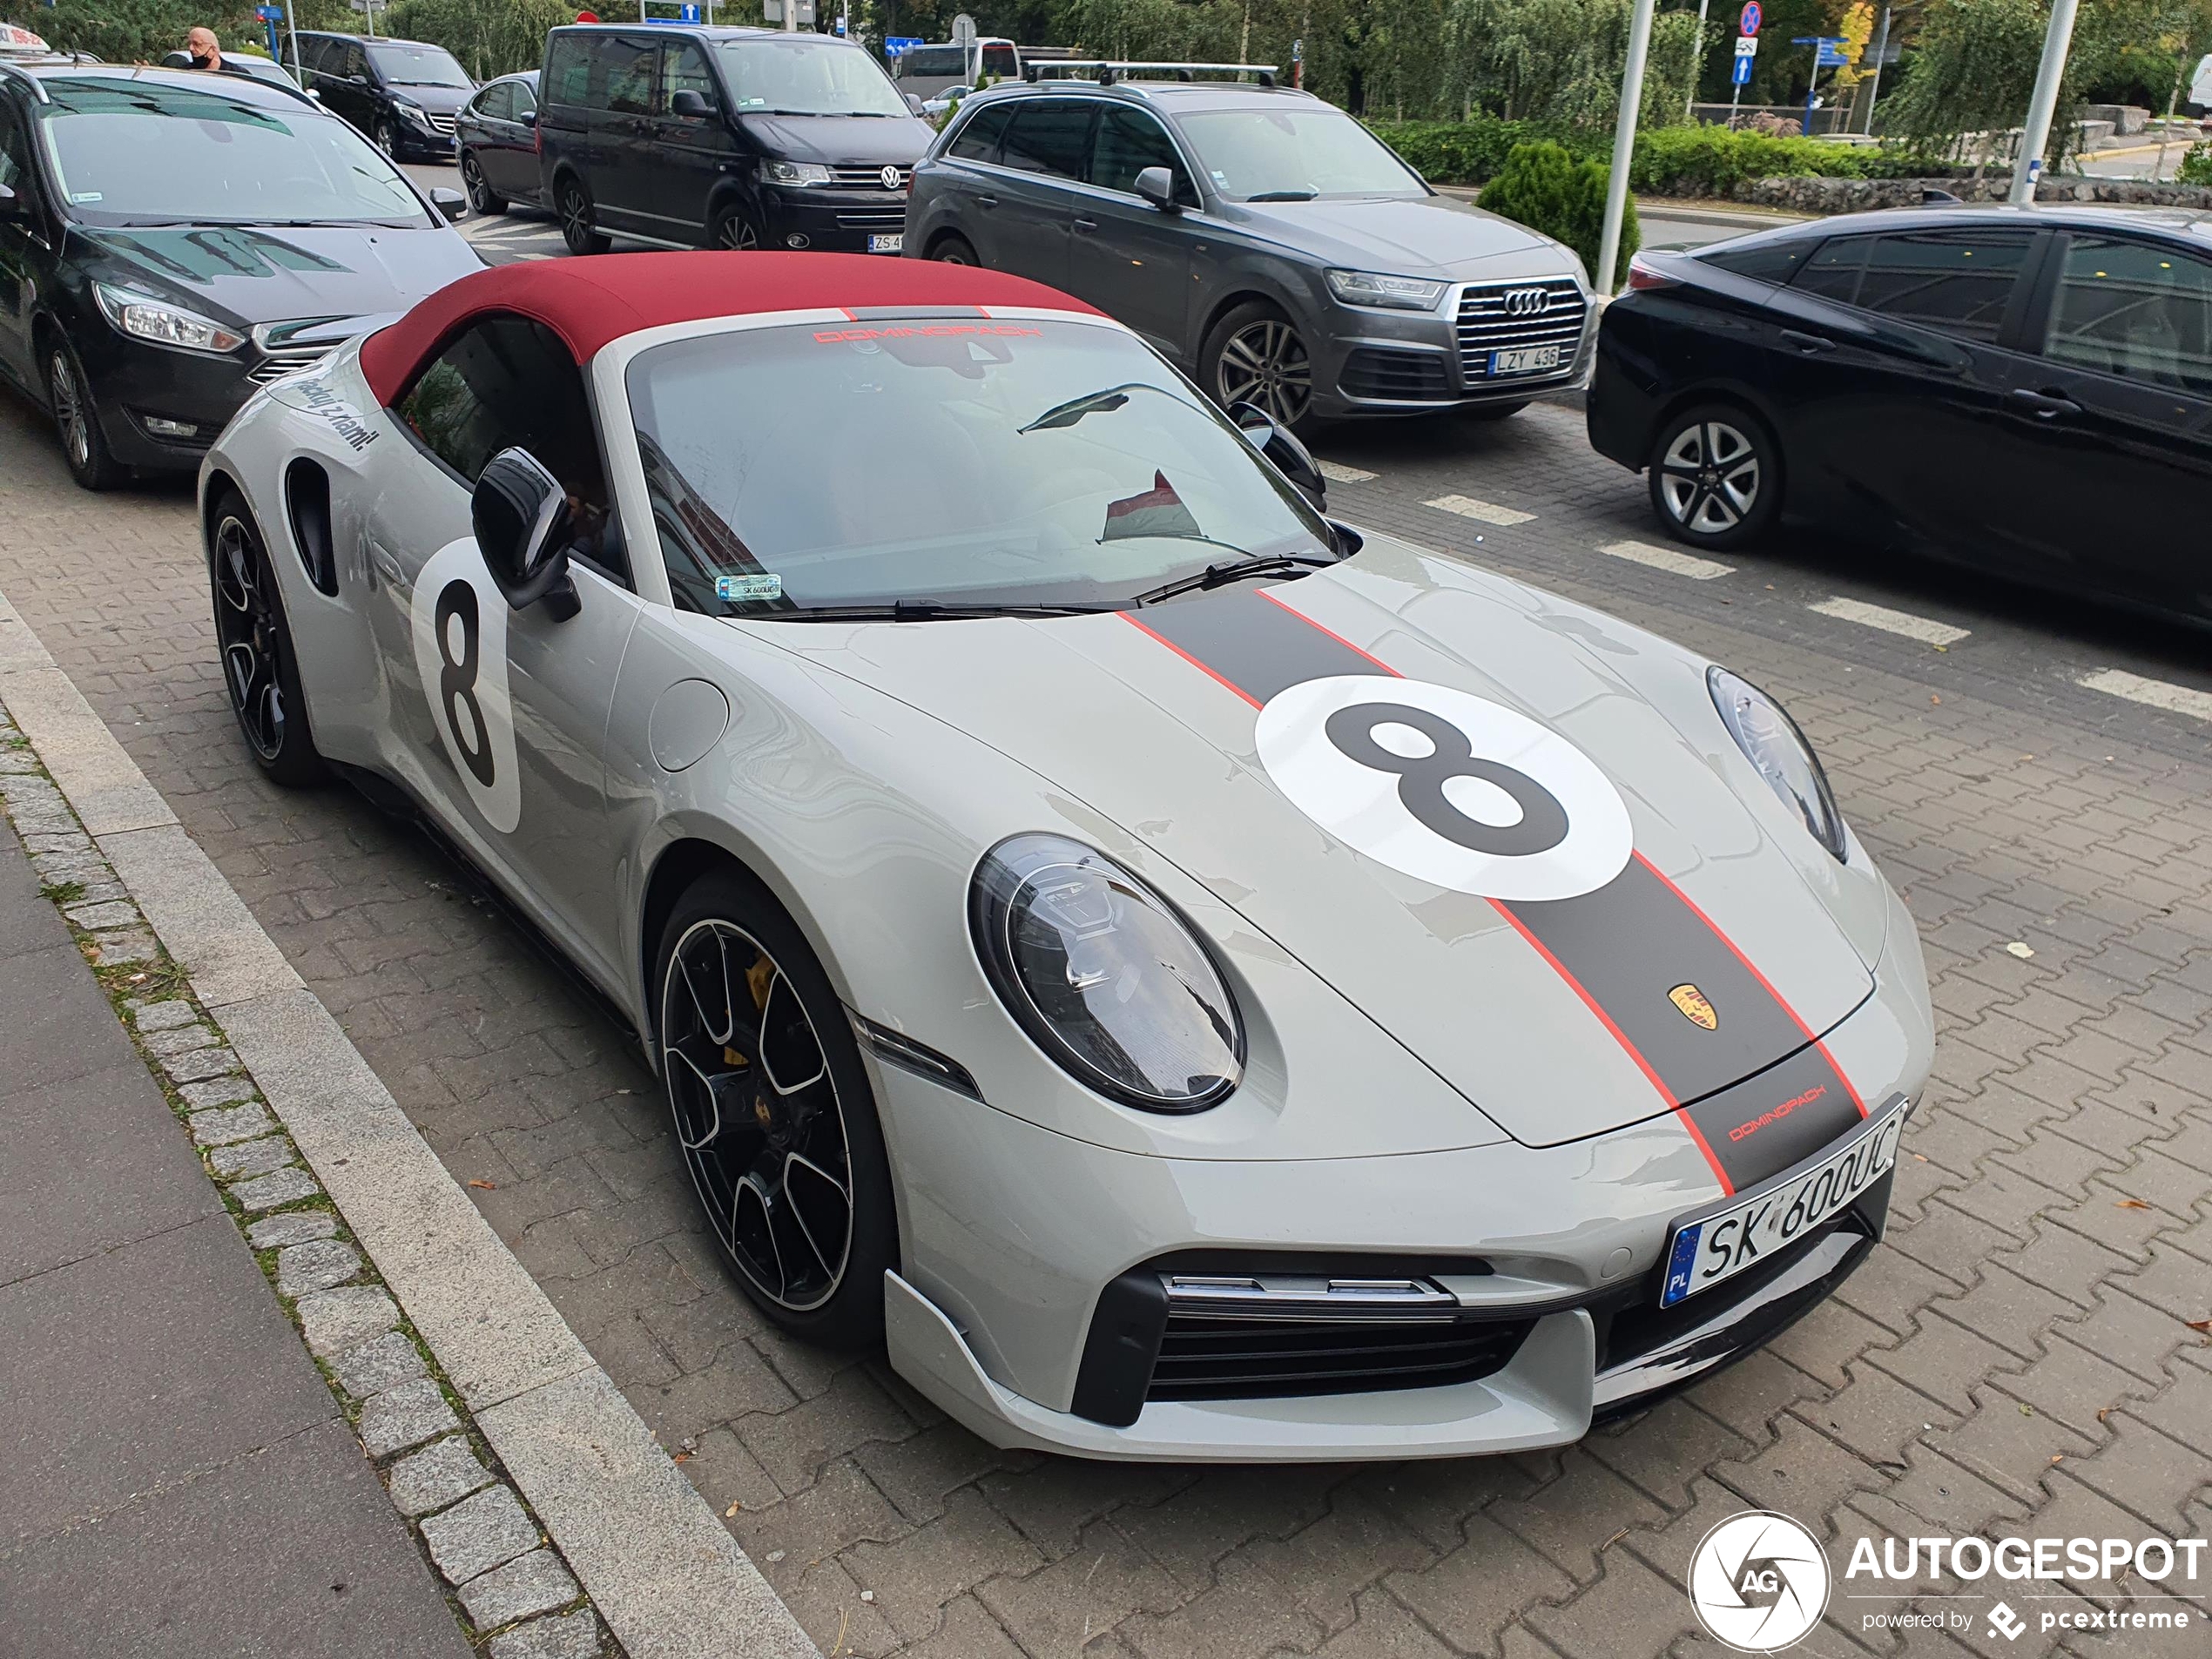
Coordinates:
417	141
133	385
833	220
999	1321
1370	362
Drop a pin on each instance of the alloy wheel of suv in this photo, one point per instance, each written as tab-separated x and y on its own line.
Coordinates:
579	226
1715	481
387	140
735	231
1255	356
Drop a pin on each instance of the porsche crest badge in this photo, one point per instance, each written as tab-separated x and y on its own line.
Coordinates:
1694	1006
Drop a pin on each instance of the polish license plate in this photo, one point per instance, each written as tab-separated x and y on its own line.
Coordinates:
1529	359
1707	1249
891	243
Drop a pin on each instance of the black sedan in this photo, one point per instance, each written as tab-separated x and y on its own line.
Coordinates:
169	239
2025	390
495	133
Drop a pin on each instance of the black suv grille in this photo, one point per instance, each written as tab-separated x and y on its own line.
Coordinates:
868	178
1414	376
1511	316
1202	1359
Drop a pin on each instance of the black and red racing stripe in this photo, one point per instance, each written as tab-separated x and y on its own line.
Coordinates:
1758	1091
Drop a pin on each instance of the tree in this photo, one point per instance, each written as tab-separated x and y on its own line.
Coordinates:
1559	61
1974	73
1544	187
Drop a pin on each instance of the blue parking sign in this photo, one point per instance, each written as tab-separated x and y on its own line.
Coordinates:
1743	77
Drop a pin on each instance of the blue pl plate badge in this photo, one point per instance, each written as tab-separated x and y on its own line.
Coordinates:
1678	1266
741	588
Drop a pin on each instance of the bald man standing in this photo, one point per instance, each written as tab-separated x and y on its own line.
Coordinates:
207	52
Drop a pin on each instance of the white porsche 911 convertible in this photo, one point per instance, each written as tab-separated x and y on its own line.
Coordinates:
1197	980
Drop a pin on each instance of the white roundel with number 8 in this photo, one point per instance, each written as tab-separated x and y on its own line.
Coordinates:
1445	787
460	628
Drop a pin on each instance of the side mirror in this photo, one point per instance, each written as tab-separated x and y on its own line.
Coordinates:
520	516
314	95
10	204
357	80
528	118
691	104
913	103
1279	447
1157	185
450	202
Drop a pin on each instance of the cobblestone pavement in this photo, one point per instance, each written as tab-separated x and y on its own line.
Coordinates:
2019	1356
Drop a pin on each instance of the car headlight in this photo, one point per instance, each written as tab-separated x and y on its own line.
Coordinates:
165	325
411	112
1398	294
1772	742
794	173
1104	976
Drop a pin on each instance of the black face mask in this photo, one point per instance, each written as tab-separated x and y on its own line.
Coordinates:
199	62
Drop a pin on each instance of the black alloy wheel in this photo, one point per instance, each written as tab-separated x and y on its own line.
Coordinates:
1716	476
1254	355
579	226
954	250
77	423
482	198
259	666
772	1110
734	232
387	138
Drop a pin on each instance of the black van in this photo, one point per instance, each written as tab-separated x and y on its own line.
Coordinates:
401	94
723	138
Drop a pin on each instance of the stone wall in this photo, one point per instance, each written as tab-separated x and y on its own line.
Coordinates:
1823	196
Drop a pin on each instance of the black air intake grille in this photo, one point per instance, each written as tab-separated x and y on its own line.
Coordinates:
1414	376
1208	1358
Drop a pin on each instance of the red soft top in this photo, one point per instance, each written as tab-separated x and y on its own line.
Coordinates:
588	302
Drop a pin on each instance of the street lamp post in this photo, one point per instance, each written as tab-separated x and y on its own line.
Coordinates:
2027	168
1624	146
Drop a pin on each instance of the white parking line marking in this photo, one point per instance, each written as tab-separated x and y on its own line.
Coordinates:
1488	512
1927	631
2159	694
1668	559
1337	473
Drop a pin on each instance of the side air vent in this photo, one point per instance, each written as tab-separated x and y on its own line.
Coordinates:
306	498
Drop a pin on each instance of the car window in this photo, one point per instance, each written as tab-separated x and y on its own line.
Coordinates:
1294	154
1051	136
631	69
408	64
684	70
506	382
1833	271
568	71
1127	142
933	60
355	62
525	98
978	138
1775	262
497	102
1011	461
14	155
803	74
2137	310
999	60
1956	282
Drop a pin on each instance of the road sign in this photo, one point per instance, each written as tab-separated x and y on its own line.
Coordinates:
900	45
1752	17
964	29
1743	76
1747	46
269	14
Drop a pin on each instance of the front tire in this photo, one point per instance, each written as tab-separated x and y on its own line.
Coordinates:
387	138
482	198
954	250
1716	476
579	226
772	1111
733	230
259	668
1254	355
76	420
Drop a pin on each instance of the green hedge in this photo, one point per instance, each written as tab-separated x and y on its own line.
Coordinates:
1544	187
1669	161
2196	166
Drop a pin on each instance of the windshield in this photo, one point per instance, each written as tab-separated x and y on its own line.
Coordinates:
806	76
943	461
1294	155
222	163
416	65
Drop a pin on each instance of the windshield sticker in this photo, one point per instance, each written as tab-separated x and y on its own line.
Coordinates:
738	589
1158	511
344	419
83	196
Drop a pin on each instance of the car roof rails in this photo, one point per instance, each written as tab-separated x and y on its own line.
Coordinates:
1107	71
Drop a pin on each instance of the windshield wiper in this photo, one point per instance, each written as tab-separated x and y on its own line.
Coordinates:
1284	196
1215	575
919	610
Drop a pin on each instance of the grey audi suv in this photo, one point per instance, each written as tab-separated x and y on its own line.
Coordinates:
1262	238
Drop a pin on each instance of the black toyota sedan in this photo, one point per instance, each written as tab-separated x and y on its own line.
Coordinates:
170	240
2025	390
496	135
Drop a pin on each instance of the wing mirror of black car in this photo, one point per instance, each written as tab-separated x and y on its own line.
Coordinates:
528	118
520	516
691	103
10	204
450	202
1157	185
357	80
1278	446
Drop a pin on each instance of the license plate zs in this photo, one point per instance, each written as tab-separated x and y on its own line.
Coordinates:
892	244
1529	359
1716	1246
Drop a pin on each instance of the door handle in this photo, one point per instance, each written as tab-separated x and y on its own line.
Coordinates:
1086	226
2045	406
1808	343
985	201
